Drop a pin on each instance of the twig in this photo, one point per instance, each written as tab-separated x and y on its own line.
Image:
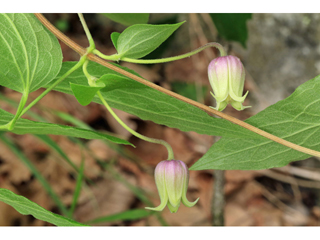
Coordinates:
196	61
207	19
218	200
289	179
273	199
305	173
199	32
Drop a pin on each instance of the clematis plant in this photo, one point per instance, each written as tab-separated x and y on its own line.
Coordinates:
172	178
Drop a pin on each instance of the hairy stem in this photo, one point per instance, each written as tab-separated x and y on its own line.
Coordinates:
163	60
152	140
71	70
22	103
86	29
205	108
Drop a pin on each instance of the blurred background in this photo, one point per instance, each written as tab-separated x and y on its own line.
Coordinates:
279	52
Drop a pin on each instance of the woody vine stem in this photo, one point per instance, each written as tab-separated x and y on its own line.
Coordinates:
90	56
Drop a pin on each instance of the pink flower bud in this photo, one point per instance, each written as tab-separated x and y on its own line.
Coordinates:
227	76
172	178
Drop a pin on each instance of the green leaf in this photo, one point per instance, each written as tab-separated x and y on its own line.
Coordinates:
77	190
232	26
188	90
139	40
114	38
149	104
162	50
128	19
295	119
30	55
27	207
134	214
84	94
24	126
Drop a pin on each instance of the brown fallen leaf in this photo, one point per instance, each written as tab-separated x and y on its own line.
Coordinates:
105	198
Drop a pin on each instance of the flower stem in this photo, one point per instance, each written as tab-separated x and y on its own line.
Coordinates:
162	60
71	70
86	29
113	57
152	140
23	101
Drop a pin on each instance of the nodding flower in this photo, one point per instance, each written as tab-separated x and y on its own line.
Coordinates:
227	76
172	178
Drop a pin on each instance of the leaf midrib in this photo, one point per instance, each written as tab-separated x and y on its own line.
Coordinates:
13	56
26	87
262	144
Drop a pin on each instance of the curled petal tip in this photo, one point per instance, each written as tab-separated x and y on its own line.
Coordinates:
159	208
226	77
172	177
186	202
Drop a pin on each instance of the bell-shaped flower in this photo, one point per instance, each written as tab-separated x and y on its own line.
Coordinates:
227	76
172	178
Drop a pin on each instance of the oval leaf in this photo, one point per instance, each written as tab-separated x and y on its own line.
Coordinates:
84	94
114	38
30	55
139	40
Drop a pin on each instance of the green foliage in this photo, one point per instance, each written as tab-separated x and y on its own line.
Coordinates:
128	19
188	90
149	104
138	40
114	38
133	214
30	55
84	94
24	126
232	26
27	207
77	190
295	119
30	58
160	51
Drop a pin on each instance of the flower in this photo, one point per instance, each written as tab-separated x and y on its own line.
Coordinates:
227	76
172	178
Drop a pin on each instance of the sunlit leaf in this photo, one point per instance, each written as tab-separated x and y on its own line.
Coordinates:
30	55
138	40
295	119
